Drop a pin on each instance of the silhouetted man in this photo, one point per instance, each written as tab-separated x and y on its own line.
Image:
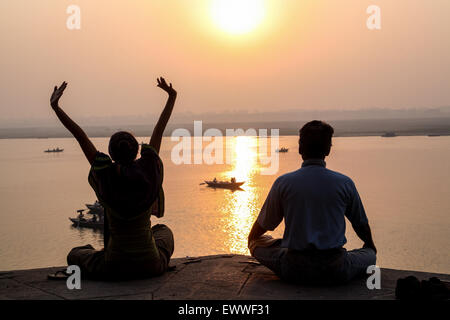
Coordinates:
313	201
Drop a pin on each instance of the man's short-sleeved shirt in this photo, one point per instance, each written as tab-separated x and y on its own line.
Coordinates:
314	202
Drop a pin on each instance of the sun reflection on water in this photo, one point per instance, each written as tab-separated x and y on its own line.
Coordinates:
241	209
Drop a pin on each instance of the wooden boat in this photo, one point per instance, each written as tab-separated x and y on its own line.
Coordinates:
224	184
87	223
96	222
95	208
54	150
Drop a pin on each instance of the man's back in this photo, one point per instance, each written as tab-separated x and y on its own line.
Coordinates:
313	201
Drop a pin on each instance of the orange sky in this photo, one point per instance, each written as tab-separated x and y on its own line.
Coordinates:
306	54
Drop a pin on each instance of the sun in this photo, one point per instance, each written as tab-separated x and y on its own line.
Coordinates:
238	16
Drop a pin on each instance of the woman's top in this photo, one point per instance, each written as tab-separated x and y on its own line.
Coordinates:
130	194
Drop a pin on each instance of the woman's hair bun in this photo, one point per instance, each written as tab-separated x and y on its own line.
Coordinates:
123	147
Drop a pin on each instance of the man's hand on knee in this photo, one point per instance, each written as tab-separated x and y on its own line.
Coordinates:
263	242
256	232
370	246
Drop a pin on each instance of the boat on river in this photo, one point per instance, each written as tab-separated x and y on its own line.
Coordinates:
54	150
232	185
96	222
87	223
95	208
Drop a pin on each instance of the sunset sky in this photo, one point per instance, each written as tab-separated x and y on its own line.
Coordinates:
269	55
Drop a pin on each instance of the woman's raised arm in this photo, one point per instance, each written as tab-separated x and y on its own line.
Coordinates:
155	140
86	145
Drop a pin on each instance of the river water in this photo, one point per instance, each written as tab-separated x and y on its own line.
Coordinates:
404	183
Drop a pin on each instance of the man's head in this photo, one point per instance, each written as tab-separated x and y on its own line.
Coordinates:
123	147
315	140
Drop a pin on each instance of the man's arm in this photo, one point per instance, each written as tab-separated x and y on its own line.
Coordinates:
86	145
357	216
270	216
365	234
256	232
155	140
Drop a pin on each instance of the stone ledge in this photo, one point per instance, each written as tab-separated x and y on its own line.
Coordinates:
221	277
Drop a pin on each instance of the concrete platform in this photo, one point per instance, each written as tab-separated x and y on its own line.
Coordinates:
220	277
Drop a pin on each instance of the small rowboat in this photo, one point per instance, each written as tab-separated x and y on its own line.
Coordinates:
95	208
87	223
224	184
53	150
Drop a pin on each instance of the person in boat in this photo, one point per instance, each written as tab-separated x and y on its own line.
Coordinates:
313	201
233	180
81	216
130	191
215	180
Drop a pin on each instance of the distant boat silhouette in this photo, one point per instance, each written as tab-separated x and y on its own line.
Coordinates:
434	135
97	220
87	223
282	150
54	150
232	185
96	208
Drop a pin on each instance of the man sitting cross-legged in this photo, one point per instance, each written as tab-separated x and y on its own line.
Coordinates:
314	202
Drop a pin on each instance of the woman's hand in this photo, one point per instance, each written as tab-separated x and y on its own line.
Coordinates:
158	131
57	93
167	88
86	145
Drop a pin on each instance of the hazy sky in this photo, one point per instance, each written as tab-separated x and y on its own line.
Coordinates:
305	54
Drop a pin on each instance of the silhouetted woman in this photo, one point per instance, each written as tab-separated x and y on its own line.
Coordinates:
131	191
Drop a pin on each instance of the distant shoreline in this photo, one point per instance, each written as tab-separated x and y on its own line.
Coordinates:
281	135
343	128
